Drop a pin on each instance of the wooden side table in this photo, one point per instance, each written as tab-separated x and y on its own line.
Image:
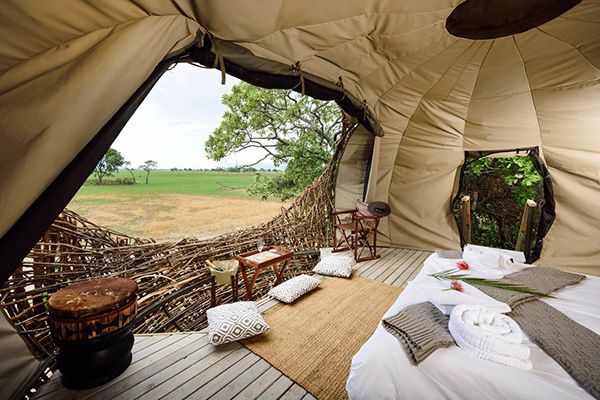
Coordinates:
270	256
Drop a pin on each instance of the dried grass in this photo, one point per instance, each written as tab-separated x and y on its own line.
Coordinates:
169	217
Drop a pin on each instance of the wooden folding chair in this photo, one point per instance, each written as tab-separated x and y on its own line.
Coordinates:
343	227
356	234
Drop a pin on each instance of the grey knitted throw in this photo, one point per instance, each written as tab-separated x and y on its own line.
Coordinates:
422	328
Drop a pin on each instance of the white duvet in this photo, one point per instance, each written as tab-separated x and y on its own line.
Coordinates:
381	370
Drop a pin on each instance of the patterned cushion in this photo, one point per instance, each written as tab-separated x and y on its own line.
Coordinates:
290	290
335	266
231	322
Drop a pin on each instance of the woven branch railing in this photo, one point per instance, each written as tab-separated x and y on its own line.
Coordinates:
74	249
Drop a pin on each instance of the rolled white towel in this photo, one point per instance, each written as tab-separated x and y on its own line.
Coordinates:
437	293
435	263
489	335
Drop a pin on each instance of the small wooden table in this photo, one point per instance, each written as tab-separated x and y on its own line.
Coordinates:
270	256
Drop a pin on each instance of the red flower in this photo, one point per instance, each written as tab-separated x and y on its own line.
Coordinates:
462	265
456	285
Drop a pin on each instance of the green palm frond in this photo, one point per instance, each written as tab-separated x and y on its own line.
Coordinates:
454	274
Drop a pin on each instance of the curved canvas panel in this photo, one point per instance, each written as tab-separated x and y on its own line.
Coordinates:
66	67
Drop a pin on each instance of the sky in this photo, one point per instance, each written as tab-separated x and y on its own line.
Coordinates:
176	118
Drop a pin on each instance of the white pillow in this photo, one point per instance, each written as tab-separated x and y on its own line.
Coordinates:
488	257
335	266
290	290
231	322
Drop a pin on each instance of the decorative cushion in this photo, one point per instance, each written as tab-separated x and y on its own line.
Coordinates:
335	266
290	290
231	322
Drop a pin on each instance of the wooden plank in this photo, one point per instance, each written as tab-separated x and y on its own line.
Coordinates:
233	388
148	351
294	393
260	385
60	392
396	259
204	372
360	267
365	265
136	384
309	396
55	381
402	256
155	375
205	388
277	389
375	264
48	389
195	367
413	254
141	338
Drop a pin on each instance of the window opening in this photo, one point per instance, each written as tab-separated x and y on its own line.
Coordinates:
498	188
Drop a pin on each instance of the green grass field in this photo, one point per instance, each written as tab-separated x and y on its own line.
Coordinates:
167	182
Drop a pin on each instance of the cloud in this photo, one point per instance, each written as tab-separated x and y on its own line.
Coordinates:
175	120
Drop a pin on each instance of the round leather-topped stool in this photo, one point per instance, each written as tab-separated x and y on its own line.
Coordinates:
92	324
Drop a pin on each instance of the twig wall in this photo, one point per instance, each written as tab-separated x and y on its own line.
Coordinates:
75	249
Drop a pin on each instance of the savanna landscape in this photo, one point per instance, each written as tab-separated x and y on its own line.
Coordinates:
174	204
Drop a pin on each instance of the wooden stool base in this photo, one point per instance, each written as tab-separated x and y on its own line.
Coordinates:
87	365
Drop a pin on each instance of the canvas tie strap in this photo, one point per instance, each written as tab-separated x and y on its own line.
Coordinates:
219	62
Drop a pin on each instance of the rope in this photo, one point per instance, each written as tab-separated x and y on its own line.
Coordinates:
297	68
341	85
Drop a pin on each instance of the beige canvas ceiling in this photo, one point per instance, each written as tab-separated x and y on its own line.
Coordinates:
67	66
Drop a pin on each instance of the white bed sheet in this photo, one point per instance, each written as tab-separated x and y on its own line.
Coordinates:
381	369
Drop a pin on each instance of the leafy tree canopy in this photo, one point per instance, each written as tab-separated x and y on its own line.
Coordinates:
292	130
109	164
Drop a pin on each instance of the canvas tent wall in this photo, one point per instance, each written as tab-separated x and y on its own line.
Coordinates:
69	69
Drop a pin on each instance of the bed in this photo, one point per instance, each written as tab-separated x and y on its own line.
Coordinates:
381	369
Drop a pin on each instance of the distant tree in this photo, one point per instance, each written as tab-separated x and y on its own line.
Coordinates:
127	166
293	130
108	164
148	166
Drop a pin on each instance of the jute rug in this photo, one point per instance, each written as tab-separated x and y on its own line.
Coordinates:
313	340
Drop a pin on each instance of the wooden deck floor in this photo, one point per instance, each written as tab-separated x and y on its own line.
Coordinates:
186	366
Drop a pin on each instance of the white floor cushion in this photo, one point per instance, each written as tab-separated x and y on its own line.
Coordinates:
335	266
290	290
231	322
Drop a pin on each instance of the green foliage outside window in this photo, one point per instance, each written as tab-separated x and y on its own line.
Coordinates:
499	189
